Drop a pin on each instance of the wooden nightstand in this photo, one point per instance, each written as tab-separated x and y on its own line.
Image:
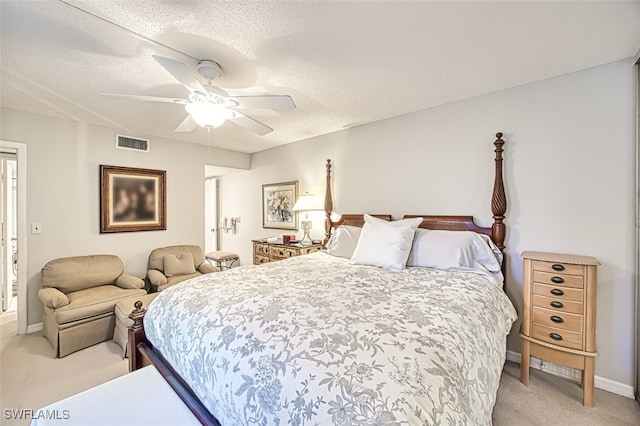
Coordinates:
264	252
559	313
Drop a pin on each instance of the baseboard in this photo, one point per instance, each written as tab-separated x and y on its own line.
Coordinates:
34	328
614	387
599	382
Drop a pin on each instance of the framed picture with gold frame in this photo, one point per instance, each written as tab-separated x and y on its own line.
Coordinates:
132	199
277	205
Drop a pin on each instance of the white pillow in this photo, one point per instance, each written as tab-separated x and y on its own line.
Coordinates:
343	241
385	244
453	249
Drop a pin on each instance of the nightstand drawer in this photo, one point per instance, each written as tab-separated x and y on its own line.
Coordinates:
558	268
558	292
557	319
570	306
557	336
564	280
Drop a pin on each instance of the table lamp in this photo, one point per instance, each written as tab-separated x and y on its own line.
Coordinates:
307	202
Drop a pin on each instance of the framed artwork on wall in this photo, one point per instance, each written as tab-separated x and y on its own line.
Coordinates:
132	199
277	205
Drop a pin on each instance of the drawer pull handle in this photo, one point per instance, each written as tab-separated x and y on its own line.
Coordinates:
556	304
556	319
557	280
555	336
557	292
557	267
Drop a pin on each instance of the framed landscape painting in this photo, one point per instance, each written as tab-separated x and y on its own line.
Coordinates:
277	205
132	199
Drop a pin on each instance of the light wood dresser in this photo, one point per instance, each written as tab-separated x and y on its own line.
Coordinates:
264	251
559	314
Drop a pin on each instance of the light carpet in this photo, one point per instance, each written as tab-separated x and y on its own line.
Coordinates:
32	378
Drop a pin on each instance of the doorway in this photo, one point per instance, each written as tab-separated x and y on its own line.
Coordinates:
9	232
637	384
212	208
13	208
211	219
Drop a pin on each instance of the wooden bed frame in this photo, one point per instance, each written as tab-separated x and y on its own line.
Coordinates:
142	353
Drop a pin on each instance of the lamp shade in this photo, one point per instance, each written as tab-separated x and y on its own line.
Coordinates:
307	202
208	114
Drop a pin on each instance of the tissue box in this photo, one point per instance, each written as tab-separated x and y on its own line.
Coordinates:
287	238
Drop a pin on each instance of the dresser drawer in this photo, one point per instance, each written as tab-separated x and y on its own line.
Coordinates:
564	280
569	306
558	292
261	249
568	339
310	250
282	252
259	259
558	268
557	319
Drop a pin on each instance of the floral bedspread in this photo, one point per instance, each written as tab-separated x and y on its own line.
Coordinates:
314	340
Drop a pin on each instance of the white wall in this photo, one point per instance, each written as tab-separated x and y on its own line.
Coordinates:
63	186
569	173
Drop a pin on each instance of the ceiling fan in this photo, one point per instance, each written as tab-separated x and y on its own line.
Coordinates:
209	106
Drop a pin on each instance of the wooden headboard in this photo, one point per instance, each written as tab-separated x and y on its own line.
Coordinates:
497	232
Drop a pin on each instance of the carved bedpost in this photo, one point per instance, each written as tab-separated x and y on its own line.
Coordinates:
136	335
499	199
328	205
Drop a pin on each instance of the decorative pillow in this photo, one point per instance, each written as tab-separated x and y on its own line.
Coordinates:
343	241
178	264
453	249
385	244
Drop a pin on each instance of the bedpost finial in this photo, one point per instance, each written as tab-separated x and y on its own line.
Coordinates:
499	198
137	315
328	205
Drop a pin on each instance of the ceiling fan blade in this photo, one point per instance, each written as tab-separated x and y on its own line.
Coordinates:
187	125
145	98
181	73
264	101
249	123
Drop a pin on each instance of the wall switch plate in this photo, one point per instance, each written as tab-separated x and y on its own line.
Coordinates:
36	228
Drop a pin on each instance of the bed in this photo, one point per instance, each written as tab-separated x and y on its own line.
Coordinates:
345	336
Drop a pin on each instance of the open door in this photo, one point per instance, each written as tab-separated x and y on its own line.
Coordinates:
8	264
637	384
210	214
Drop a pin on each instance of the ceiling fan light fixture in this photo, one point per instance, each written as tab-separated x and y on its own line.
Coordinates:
208	115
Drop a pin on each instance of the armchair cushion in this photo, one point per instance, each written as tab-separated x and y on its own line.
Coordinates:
92	302
53	298
156	278
178	264
156	258
206	268
77	273
130	282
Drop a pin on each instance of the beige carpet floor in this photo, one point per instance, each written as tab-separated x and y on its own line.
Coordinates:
31	378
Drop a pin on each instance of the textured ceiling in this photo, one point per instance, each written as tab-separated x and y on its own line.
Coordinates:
343	63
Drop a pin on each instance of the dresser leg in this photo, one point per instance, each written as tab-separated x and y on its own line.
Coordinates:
524	362
587	381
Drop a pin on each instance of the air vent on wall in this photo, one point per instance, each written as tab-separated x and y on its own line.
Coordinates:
134	144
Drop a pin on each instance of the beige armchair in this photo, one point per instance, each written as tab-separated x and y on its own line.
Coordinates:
173	264
79	295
